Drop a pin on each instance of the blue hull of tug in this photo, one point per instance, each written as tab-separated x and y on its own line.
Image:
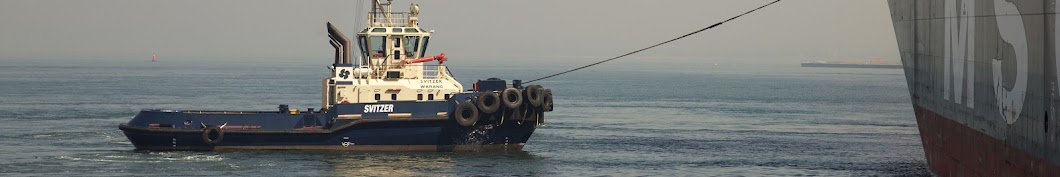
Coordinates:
421	129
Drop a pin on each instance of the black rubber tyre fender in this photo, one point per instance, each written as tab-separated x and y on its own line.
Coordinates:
488	102
547	105
512	98
210	130
511	115
466	114
535	95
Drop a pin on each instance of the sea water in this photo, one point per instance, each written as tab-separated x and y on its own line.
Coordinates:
625	118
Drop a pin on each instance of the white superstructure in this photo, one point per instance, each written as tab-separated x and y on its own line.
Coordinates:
393	64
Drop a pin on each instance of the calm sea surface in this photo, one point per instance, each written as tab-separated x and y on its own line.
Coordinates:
60	119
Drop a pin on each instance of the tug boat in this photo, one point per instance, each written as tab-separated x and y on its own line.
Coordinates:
392	98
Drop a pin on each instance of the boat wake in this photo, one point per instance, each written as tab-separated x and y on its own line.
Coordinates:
152	157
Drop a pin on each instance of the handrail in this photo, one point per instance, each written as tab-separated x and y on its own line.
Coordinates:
393	18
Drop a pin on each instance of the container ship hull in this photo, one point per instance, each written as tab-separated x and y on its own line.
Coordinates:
982	77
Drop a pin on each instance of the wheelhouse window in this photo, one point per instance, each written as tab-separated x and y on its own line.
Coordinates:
362	44
423	50
397	30
378	46
397	43
412	46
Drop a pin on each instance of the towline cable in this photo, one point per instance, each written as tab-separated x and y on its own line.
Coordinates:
653	46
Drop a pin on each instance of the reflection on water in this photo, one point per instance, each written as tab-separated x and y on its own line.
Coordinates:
390	164
434	164
288	163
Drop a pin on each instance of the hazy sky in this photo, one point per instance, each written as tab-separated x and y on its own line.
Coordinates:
472	30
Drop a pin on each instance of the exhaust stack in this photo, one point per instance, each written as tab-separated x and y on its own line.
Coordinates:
343	55
339	54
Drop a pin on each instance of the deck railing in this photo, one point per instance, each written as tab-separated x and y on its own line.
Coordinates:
395	18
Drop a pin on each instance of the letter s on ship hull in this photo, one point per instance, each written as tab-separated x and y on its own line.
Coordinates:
982	75
390	99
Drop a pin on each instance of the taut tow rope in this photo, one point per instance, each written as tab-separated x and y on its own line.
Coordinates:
656	45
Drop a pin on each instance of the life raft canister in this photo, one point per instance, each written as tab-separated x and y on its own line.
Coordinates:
511	98
466	114
210	130
488	102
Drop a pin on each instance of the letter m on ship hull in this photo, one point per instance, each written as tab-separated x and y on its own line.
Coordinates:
959	52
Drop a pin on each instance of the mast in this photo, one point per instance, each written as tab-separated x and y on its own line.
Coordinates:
378	6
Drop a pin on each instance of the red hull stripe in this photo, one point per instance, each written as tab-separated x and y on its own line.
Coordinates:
953	149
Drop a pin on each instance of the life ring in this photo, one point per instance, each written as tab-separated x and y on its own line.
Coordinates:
466	114
547	106
488	102
511	98
209	130
535	94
